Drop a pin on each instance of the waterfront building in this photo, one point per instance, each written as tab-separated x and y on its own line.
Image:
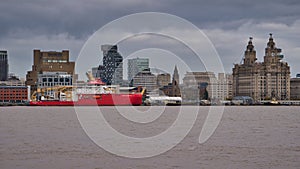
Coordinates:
48	61
229	81
221	88
3	65
51	80
135	66
14	91
262	80
172	89
192	83
146	79
163	79
113	65
197	84
295	88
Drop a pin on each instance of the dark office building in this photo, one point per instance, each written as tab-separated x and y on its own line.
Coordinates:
3	66
113	65
295	88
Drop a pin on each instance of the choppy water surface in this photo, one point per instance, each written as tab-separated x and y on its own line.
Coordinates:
247	137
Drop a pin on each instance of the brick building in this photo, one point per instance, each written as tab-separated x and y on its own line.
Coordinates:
48	61
13	94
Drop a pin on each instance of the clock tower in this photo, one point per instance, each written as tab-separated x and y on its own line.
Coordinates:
272	54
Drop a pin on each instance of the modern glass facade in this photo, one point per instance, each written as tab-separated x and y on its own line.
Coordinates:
136	65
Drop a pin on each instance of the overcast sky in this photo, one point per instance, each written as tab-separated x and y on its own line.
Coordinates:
57	25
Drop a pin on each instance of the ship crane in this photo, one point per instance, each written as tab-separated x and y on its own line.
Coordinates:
90	76
93	80
56	89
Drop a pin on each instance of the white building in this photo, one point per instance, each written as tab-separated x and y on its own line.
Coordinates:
52	79
222	87
218	88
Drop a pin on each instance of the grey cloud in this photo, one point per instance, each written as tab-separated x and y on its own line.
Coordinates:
58	25
79	18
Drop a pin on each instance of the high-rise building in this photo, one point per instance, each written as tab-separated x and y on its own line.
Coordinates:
262	80
49	61
295	88
3	65
113	65
136	65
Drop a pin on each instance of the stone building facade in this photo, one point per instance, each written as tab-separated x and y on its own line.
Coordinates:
163	79
262	80
146	79
217	88
192	83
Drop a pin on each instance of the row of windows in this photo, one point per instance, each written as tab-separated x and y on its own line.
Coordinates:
7	92
13	90
56	79
15	93
54	84
55	61
13	98
50	67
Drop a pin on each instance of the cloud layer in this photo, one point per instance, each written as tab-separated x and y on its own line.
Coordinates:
58	25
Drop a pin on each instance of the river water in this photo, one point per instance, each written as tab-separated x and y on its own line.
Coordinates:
246	137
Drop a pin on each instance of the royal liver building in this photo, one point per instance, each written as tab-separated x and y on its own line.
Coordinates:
262	80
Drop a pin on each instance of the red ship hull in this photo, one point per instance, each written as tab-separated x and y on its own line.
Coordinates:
95	100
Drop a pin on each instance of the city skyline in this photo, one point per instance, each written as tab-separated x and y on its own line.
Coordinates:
136	56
